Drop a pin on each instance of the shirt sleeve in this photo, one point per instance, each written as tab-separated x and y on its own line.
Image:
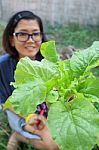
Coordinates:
2	90
6	76
16	123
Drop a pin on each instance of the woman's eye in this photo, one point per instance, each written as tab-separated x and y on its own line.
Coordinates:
22	34
36	33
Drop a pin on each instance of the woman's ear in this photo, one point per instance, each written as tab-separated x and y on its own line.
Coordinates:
12	41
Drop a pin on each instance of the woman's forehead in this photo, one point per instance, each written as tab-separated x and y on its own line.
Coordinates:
28	24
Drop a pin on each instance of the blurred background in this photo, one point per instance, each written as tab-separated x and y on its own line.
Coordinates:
73	23
55	11
68	22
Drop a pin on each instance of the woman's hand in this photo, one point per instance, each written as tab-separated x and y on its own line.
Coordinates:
46	142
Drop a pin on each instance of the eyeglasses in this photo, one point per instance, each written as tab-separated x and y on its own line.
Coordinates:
23	37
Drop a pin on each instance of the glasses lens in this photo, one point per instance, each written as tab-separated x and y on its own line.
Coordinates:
36	36
22	37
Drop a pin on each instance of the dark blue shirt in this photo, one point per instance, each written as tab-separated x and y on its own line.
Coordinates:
7	68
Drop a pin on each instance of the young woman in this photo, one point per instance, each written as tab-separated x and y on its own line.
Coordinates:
22	37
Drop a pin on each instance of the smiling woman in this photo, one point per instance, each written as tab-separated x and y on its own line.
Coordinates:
25	45
22	37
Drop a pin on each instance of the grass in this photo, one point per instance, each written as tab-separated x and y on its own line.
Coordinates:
78	36
4	131
73	34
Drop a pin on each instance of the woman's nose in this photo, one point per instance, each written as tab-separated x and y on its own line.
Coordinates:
30	39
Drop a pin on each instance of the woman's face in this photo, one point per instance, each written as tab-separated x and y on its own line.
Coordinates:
31	46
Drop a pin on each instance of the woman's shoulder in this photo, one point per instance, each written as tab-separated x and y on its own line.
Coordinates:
4	58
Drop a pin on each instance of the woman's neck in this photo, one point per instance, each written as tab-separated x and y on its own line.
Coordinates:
32	58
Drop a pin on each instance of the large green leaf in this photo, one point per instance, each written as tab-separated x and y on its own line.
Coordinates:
28	70
84	60
48	50
26	97
74	126
90	86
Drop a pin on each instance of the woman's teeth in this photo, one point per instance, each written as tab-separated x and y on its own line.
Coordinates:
30	48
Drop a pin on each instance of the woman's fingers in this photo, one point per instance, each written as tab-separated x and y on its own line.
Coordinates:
29	128
37	121
33	121
35	125
42	122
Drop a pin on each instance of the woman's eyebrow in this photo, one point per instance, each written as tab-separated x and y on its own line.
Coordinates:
25	30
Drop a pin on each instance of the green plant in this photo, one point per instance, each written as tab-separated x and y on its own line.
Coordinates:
4	131
72	34
69	89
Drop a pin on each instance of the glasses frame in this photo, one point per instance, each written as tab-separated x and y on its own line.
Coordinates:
28	36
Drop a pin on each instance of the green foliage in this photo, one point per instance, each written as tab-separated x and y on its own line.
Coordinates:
96	71
68	87
4	131
72	34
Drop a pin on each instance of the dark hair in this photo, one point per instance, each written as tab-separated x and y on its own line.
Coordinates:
9	30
